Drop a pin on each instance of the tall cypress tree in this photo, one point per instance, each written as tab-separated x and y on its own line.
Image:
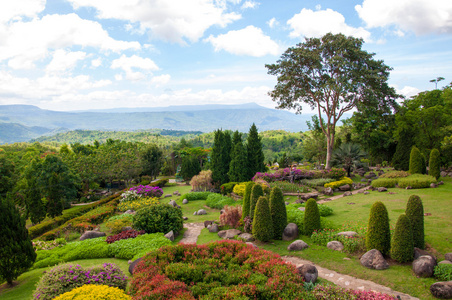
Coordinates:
16	250
434	164
256	192
237	166
401	158
36	209
226	155
247	200
278	212
254	152
417	163
220	157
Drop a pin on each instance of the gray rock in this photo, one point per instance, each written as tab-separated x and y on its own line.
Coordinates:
440	182
202	212
382	189
419	252
207	223
170	236
185	218
286	203
328	191
445	262
297	246
433	185
345	187
443	174
252	245
134	264
347	194
213	228
363	180
308	272
185	201
195	213
448	256
229	234
91	234
173	203
168	195
335	245
373	259
125	228
130	212
442	289
290	232
247	237
424	266
175	192
366	193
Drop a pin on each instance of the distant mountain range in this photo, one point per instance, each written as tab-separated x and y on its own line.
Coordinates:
24	122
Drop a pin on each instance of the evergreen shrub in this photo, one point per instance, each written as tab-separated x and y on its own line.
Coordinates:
246	200
378	233
416	181
402	249
158	218
278	212
311	217
416	161
384	182
94	292
227	188
256	192
196	196
239	189
395	174
415	212
337	184
262	221
434	164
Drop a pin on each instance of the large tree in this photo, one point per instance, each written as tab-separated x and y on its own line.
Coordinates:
238	165
333	75
254	152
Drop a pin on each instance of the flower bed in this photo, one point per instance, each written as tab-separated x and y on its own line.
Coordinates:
147	191
334	173
138	203
124	235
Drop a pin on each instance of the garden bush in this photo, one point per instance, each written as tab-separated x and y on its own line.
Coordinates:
311	217
132	249
147	191
384	182
227	188
64	278
231	216
294	215
256	192
218	201
239	189
262	221
43	245
278	212
434	164
184	271
159	183
313	183
196	196
159	218
94	292
395	174
337	184
415	212
202	181
416	161
327	292
378	234
247	200
402	249
335	173
324	210
288	187
138	203
116	223
443	272
416	181
351	244
124	235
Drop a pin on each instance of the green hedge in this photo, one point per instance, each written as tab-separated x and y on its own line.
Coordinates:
337	184
416	181
227	188
384	182
195	196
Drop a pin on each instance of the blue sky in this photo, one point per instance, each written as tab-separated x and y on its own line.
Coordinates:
90	54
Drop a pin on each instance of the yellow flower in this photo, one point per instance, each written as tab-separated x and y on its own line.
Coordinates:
94	292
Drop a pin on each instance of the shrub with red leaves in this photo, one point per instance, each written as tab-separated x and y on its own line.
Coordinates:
124	235
231	216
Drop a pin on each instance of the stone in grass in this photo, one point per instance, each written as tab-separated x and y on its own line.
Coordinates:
286	203
373	259
91	234
170	236
195	213
347	194
185	201
133	264
202	212
424	266
185	218
366	193
252	245
335	245
290	232
129	212
229	234
419	252
348	233
125	228
175	192
445	262
448	256
173	203
213	228
345	187
247	237
442	289
382	189
328	191
168	195
308	272
298	245
207	223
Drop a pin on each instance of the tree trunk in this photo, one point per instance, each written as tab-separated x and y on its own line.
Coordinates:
329	150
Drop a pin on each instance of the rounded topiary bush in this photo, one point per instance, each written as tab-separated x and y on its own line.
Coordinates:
278	212
159	218
256	192
434	164
378	234
416	161
246	200
415	212
402	249
311	217
185	271
262	221
94	292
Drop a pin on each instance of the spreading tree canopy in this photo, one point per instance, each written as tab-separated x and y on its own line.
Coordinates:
333	75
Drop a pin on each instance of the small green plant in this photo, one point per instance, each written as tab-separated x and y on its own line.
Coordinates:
415	212
402	241
262	221
337	184
434	164
278	212
378	233
196	196
395	174
311	217
443	272
218	201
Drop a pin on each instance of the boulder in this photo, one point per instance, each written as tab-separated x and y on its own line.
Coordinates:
213	228
207	223
247	237
130	212
335	245
382	189
445	262
363	180
185	218
347	194
328	191
173	203
168	195
133	264
440	182
308	272
373	259
297	246
252	245
433	185
419	252
185	201
195	213
424	266
366	193
170	236
448	256
229	234
202	212
125	228
290	232
442	289
286	203
91	234
443	174
175	192
345	187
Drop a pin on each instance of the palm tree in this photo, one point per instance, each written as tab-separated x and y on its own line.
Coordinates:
348	156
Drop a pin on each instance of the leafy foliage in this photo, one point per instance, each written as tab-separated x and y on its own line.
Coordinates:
231	216
202	182
227	188
337	184
196	196
443	272
158	218
434	164
415	213
416	181
402	241
395	174
218	201
247	200
378	233
416	164
262	221
256	192
94	292
124	235
348	156
278	212
401	158
255	155
384	182
311	217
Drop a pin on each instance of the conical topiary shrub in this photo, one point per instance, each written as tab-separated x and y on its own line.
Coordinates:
416	163
311	217
402	249
246	199
378	234
278	212
434	164
262	221
415	212
256	192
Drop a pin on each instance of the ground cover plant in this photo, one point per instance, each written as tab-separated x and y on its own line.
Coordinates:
288	187
218	201
117	222
137	203
94	292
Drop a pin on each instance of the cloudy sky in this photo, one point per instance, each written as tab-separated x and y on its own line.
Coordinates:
89	54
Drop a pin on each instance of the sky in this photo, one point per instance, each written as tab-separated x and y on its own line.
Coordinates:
94	54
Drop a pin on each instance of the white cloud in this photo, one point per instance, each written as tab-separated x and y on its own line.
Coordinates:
248	41
419	16
310	23
160	80
272	23
63	61
96	63
250	4
27	42
20	8
174	20
408	91
128	64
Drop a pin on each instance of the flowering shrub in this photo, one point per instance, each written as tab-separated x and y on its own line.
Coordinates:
138	204
219	270
313	183
129	196
42	245
124	235
63	278
231	216
94	292
337	184
321	292
147	191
